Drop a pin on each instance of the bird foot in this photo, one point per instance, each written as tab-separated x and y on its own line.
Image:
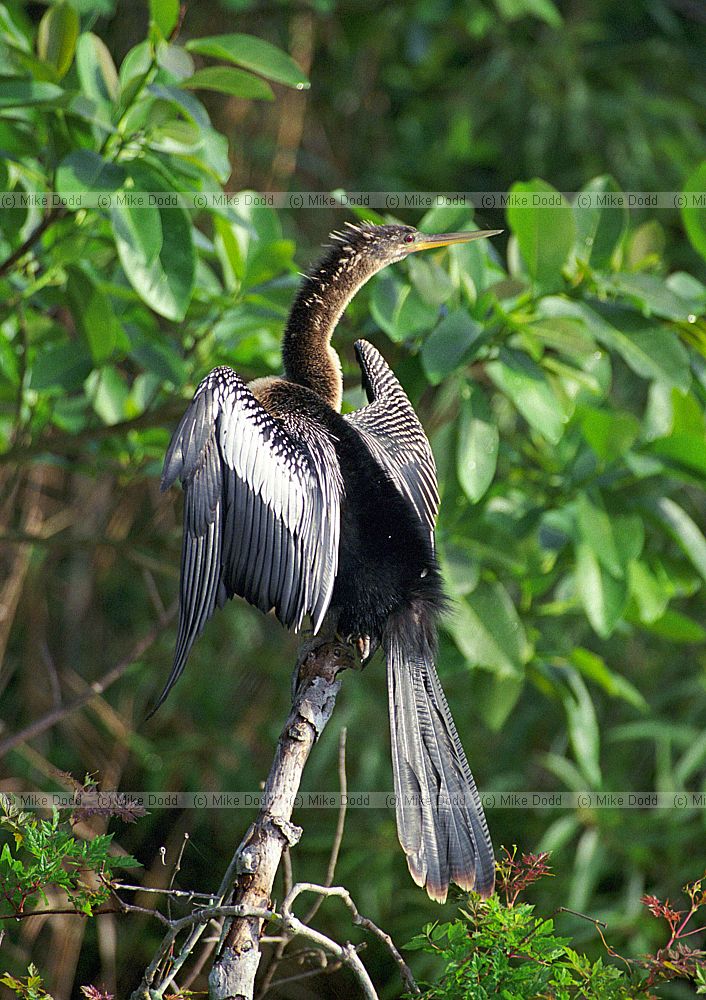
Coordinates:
364	646
320	655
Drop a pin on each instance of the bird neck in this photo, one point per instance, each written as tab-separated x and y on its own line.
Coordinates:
307	355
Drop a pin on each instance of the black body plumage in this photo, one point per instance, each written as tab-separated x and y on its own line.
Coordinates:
303	511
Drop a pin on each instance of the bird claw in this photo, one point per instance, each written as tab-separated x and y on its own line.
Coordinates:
363	646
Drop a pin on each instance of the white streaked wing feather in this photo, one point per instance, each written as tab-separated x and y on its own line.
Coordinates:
261	509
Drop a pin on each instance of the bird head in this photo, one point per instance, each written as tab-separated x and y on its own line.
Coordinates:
388	244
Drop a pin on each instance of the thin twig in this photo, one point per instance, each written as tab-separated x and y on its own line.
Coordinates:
584	916
340	825
27	245
190	894
346	953
358	919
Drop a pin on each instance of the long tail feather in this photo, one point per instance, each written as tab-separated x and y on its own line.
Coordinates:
440	820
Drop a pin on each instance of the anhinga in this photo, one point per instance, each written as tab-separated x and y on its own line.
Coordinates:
299	509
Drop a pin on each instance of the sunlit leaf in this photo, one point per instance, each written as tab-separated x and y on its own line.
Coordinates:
685	530
526	385
448	344
156	250
486	628
600	226
694	215
477	448
603	596
596	530
56	37
541	219
597	670
583	728
229	80
165	14
96	69
254	54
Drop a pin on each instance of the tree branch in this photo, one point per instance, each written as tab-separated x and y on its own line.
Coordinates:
36	234
358	919
259	855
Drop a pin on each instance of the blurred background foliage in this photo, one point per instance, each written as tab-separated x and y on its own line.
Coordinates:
560	372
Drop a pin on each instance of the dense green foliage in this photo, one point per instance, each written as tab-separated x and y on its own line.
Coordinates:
48	855
560	372
501	947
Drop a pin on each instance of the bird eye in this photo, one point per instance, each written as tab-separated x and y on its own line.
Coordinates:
409	239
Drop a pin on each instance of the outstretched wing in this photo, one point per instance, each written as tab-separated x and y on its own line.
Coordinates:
261	509
391	430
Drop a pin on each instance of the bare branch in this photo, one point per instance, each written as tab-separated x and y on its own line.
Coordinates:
358	919
259	854
340	825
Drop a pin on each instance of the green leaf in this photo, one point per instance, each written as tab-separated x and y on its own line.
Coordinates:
254	54
596	669
460	568
94	316
651	294
600	227
449	344
609	434
175	60
494	696
430	279
62	365
83	170
651	349
683	449
56	37
595	529
160	358
694	216
399	309
477	449
603	596
16	93
685	531
108	393
583	729
486	628
545	10
629	534
525	384
11	33
568	336
649	595
134	66
96	69
156	250
229	80
544	226
165	14
645	245
677	627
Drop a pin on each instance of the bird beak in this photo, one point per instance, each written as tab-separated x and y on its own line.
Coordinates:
446	239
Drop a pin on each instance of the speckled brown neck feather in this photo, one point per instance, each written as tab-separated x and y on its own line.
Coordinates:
307	355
